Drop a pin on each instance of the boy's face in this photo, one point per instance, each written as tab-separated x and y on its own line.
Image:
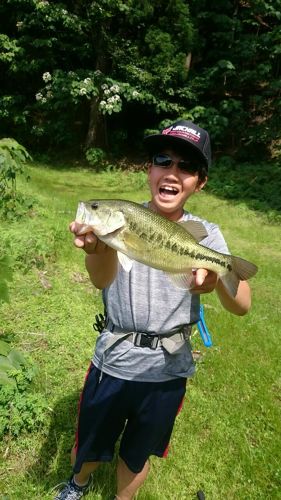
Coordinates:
171	186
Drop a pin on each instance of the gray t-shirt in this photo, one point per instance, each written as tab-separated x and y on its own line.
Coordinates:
145	300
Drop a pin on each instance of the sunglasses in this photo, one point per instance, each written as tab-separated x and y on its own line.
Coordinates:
165	161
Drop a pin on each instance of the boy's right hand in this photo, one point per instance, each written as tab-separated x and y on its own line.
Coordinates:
89	242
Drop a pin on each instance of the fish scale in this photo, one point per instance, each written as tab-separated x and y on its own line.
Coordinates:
178	243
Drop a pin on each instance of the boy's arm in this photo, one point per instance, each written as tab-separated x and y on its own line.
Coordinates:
207	281
101	260
241	303
102	265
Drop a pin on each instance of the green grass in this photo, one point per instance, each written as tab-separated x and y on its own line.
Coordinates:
227	438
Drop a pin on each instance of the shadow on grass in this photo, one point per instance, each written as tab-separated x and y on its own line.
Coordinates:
52	465
256	185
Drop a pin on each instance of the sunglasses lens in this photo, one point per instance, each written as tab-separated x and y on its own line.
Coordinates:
162	160
188	166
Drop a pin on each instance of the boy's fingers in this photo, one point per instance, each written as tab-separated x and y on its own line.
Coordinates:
79	241
204	281
75	227
90	238
200	276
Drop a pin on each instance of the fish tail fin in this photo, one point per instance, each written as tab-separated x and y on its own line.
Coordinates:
241	270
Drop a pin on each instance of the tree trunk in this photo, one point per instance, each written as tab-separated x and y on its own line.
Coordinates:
97	133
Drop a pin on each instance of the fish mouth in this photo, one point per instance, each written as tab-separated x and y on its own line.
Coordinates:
167	191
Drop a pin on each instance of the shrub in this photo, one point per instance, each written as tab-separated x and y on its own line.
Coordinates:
5	276
95	156
13	156
19	410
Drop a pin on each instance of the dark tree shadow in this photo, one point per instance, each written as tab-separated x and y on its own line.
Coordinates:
256	185
52	465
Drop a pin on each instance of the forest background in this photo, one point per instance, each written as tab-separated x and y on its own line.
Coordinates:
80	75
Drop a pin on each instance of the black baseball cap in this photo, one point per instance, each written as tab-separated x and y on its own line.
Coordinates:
184	136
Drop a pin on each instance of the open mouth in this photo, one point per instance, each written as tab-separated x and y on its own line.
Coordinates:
168	191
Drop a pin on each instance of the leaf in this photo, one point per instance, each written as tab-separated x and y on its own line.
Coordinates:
5	364
16	358
5	380
4	348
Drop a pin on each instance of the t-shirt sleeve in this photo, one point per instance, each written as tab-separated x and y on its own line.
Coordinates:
215	239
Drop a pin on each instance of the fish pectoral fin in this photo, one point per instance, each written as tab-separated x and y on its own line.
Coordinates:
125	261
183	281
195	228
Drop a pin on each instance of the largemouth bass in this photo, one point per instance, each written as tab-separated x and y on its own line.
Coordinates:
139	234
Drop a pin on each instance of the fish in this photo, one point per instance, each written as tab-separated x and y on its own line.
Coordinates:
140	234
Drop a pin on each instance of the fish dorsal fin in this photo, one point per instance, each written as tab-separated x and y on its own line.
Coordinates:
125	261
183	281
195	228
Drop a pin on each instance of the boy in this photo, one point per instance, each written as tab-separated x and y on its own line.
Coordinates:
135	389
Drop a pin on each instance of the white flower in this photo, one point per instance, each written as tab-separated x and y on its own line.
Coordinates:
106	92
49	94
83	91
19	24
64	11
47	77
42	4
117	98
111	100
102	104
43	100
114	88
136	93
104	86
87	80
39	96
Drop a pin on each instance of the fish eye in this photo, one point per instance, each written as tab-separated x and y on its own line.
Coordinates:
94	205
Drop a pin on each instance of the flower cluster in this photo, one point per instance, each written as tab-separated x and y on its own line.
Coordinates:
47	77
46	94
86	87
39	97
42	4
111	100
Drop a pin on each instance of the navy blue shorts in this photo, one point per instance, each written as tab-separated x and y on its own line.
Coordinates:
142	412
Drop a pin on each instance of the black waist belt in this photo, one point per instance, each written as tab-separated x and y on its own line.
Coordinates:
172	342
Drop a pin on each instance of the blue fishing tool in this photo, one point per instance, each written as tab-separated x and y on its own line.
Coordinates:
203	330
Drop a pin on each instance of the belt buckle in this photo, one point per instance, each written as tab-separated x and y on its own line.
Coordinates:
142	340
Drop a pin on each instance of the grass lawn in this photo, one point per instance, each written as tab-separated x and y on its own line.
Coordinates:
227	438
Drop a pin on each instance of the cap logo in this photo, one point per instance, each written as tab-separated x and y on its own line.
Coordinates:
181	131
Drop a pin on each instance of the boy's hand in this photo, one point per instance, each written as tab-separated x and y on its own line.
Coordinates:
204	281
88	242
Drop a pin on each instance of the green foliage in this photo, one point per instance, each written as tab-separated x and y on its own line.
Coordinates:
100	55
13	156
5	276
238	74
33	249
19	410
95	156
68	69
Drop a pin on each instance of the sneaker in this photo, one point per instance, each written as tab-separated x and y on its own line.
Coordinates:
72	491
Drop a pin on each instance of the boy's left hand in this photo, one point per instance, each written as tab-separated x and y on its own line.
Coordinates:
204	281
